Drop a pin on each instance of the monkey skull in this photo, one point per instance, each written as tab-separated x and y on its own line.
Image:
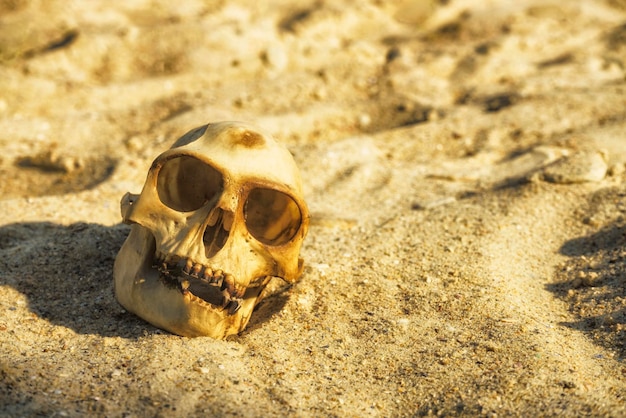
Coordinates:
220	214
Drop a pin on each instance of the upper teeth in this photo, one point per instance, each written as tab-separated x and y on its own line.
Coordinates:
175	267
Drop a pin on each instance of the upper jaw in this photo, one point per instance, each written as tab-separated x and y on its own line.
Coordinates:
206	284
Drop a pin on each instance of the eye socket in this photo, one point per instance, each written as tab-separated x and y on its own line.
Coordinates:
186	184
272	217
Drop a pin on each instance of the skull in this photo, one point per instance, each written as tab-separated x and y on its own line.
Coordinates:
220	214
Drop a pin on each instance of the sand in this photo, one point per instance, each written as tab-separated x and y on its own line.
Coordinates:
463	161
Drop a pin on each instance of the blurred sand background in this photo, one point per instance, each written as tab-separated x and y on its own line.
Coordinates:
464	163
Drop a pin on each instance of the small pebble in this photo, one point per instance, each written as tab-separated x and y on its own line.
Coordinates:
579	167
403	324
364	121
492	346
616	170
590	279
275	57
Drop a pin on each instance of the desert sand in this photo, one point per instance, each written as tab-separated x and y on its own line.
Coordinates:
463	162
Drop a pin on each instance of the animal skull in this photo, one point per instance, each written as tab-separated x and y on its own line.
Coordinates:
220	214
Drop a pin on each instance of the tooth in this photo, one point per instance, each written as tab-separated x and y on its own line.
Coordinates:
228	284
233	306
184	284
234	289
239	291
217	281
188	266
207	275
195	271
172	259
225	300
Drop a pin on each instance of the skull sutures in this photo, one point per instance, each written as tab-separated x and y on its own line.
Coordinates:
220	214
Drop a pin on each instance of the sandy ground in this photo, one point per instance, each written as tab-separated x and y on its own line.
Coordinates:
464	163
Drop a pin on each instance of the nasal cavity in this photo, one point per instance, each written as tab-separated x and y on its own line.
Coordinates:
217	231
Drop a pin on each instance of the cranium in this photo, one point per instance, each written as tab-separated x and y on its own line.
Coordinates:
220	214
